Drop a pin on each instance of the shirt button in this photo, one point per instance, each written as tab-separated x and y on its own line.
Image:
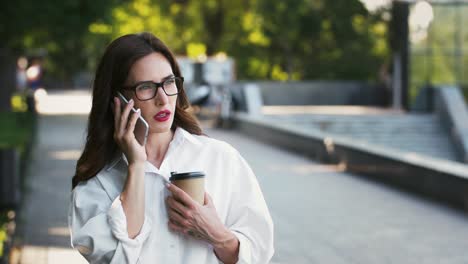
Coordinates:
172	246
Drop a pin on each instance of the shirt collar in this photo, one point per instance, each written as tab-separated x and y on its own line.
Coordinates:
180	136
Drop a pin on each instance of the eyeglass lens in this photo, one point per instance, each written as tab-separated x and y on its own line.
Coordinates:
148	90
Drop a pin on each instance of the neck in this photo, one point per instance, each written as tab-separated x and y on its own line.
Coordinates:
157	146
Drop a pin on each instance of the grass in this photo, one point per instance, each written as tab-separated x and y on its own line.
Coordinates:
16	129
3	231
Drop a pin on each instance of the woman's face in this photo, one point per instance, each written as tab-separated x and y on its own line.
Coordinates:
153	67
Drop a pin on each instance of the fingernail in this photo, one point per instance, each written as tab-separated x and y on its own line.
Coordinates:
138	110
168	185
131	101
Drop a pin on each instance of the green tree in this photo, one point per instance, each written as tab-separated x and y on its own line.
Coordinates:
269	39
59	27
322	39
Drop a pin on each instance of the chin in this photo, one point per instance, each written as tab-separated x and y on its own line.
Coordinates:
157	127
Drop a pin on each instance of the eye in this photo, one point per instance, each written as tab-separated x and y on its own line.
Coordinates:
145	86
170	81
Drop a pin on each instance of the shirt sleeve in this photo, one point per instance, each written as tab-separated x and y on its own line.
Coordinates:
248	217
98	227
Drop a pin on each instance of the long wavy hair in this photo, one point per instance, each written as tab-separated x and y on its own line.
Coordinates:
111	74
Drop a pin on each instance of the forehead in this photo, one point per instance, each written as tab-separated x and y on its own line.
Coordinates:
152	67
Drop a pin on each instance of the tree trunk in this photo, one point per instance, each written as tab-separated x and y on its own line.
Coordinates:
7	78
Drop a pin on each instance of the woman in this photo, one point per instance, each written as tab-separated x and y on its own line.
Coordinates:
122	209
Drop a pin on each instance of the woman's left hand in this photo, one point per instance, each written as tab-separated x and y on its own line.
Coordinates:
199	221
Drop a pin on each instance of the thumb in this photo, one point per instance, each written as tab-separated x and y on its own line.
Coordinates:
207	199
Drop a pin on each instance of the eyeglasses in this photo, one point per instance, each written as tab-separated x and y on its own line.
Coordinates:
148	89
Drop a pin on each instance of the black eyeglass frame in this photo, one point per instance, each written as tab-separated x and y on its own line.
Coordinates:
160	84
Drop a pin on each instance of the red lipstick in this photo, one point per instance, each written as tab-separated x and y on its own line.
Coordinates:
162	116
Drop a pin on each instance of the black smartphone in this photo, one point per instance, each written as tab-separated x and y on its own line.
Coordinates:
141	126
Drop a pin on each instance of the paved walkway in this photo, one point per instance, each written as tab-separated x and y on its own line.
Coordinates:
42	222
321	214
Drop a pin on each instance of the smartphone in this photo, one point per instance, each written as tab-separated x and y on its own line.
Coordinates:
141	126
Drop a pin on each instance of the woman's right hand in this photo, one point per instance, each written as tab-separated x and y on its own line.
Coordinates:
123	133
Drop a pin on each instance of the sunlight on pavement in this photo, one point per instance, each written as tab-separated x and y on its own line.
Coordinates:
49	255
317	168
59	231
63	102
72	154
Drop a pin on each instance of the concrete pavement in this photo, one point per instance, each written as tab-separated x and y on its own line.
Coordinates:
324	215
42	232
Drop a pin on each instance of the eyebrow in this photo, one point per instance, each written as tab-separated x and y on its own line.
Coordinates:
162	80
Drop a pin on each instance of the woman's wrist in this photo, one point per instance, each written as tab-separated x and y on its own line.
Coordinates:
226	247
136	166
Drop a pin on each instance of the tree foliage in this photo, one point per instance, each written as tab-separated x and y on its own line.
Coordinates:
58	27
269	39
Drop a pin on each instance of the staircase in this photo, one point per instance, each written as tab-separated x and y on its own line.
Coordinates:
418	133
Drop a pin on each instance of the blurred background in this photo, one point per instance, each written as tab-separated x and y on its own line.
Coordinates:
352	114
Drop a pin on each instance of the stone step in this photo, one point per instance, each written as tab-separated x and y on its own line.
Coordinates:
419	133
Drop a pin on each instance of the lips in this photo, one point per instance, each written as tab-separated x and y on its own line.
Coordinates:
162	116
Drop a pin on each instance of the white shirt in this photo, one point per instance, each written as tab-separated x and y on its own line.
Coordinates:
98	225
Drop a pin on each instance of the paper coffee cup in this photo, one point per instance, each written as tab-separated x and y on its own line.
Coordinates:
193	183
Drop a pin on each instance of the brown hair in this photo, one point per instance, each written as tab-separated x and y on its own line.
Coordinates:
111	74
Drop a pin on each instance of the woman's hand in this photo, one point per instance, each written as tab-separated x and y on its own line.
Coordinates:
123	133
188	217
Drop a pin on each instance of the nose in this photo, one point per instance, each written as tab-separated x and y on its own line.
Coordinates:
161	97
